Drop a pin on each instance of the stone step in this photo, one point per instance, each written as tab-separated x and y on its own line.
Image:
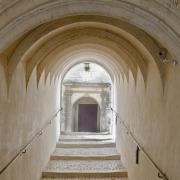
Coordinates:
84	133
85	144
85	169
84	137
85	154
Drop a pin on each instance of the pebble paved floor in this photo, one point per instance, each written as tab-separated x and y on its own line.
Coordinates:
84	166
86	151
81	169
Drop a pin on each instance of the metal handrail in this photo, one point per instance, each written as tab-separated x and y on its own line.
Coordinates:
23	150
161	174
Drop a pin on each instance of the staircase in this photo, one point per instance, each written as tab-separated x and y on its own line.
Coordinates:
85	156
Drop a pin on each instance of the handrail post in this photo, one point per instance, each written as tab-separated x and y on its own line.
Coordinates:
137	155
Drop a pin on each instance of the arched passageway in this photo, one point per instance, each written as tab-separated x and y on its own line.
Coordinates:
136	42
87	99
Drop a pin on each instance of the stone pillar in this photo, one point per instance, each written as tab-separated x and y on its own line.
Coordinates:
108	114
105	124
102	116
67	110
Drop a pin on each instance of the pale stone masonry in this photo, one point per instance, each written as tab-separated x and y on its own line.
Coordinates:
136	41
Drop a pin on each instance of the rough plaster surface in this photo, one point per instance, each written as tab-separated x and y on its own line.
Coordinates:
152	16
125	37
22	114
152	115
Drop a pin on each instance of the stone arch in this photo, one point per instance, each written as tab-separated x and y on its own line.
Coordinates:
112	69
130	59
33	36
72	92
141	18
94	98
33	51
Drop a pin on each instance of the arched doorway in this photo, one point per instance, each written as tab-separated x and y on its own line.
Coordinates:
87	99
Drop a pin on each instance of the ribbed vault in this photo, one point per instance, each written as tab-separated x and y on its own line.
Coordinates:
51	46
40	40
151	16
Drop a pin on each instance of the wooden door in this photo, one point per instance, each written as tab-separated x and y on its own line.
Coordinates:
87	118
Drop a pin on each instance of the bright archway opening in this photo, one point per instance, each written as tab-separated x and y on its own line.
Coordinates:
87	99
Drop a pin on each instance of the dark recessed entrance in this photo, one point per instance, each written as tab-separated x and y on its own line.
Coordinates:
87	117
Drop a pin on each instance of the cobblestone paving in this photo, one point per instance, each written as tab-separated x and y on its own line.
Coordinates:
86	169
84	166
85	151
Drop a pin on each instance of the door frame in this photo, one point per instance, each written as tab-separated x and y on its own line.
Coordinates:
76	112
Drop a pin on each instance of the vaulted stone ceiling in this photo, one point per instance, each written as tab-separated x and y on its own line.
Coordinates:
123	36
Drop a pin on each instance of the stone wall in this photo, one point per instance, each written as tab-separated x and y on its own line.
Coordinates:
125	37
152	114
23	112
